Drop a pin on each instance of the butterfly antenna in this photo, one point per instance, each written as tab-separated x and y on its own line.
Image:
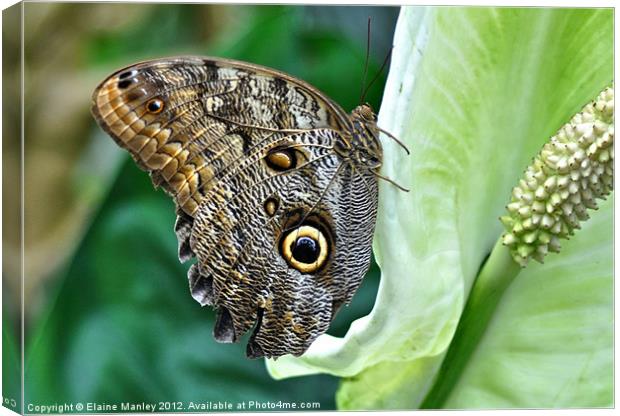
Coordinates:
385	61
391	136
366	62
402	188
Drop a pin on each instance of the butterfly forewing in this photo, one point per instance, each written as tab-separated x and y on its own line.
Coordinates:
280	223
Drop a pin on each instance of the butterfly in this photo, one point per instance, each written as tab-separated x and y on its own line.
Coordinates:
275	188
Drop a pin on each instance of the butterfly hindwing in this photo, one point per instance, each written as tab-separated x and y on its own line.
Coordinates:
239	244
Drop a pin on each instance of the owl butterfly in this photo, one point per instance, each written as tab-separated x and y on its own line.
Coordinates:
275	188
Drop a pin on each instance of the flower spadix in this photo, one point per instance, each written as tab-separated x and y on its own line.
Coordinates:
570	173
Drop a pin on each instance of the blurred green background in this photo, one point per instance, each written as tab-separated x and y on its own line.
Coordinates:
109	315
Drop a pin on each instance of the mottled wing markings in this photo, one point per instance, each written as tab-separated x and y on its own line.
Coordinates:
206	148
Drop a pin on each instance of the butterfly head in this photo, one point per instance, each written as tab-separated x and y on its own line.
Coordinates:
365	113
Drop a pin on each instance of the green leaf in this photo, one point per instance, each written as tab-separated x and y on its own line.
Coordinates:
550	343
475	93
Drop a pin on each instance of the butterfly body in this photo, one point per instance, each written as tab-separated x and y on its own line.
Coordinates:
275	188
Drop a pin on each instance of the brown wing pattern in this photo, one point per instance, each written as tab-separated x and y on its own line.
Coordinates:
209	117
248	155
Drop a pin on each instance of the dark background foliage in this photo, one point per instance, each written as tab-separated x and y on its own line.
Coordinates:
109	317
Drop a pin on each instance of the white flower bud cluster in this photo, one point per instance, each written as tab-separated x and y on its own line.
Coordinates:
573	170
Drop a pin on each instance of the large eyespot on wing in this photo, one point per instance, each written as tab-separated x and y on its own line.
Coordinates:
305	248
